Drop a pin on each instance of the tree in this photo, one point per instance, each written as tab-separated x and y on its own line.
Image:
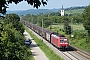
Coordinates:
67	27
15	19
34	3
11	43
86	16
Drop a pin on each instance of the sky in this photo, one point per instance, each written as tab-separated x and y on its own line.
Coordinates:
50	4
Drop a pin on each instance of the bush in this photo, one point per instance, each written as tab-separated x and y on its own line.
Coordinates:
79	34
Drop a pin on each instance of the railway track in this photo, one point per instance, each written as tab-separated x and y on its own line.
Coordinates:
82	53
85	55
72	57
66	53
69	55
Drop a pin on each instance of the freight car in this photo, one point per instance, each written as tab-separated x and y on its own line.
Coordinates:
58	40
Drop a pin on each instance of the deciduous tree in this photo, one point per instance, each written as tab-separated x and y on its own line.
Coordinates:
15	19
86	16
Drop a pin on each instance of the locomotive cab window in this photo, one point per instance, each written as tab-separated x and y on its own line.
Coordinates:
61	40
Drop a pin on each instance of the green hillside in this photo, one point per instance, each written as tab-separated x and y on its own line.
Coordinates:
75	11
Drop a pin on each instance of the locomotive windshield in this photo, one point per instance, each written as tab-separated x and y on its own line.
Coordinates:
63	40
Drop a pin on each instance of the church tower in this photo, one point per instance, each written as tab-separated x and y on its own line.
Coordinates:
62	11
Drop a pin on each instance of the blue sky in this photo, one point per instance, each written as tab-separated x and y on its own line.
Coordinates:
51	4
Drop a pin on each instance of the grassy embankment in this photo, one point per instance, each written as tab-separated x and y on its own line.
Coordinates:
48	52
76	41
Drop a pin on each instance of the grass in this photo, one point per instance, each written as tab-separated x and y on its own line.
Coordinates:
78	27
75	27
48	52
82	44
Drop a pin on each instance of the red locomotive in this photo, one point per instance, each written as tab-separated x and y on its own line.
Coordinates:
60	41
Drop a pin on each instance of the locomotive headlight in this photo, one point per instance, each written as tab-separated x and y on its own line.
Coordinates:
65	39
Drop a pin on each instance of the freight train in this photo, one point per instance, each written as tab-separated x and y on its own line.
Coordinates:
58	40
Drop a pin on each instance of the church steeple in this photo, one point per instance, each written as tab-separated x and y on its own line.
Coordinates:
62	7
62	11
